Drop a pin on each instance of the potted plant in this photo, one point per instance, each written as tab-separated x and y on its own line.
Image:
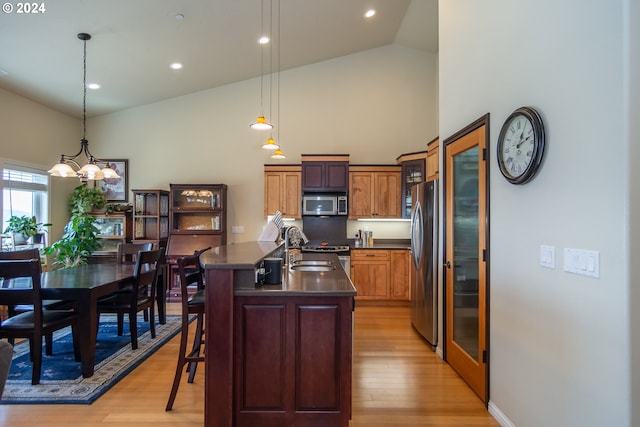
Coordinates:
23	227
80	239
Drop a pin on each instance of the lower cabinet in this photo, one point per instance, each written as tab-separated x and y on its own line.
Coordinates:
292	361
380	274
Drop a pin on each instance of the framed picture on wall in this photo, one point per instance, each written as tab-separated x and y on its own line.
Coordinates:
116	189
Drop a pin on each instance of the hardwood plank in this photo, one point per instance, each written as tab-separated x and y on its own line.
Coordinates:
397	381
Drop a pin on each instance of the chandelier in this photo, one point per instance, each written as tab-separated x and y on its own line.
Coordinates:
91	170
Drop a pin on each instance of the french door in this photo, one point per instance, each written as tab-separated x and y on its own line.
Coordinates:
466	261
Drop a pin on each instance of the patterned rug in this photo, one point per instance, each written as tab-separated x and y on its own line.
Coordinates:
61	379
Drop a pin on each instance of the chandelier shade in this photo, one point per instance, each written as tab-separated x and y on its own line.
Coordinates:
91	169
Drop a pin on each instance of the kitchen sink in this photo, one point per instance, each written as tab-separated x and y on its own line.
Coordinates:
312	262
312	267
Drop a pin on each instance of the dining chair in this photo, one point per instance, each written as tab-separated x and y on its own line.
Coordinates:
190	274
127	252
141	295
24	288
6	354
47	304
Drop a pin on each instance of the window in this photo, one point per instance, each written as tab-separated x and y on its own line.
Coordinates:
25	191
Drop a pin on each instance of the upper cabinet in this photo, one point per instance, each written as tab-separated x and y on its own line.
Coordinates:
282	190
413	172
329	172
374	191
433	160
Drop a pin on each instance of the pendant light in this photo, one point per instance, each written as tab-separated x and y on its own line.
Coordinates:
261	122
91	170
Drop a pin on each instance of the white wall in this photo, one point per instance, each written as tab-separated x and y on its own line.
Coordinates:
559	342
36	135
374	105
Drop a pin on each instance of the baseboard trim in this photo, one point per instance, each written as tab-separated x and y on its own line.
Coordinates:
499	415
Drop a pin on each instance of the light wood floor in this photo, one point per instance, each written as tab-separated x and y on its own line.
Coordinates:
397	381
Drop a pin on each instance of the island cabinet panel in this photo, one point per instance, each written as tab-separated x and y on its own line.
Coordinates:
292	361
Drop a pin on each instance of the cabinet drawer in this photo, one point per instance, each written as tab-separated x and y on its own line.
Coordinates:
364	254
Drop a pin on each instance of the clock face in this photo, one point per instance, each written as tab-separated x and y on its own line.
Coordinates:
520	145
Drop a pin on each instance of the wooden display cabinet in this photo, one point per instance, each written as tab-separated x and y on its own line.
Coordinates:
197	220
151	217
413	172
113	228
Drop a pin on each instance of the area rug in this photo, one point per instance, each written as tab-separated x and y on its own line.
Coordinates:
61	380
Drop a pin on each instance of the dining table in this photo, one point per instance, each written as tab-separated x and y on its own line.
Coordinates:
85	284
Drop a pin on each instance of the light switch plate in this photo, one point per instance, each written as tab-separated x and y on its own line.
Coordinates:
583	262
237	229
548	256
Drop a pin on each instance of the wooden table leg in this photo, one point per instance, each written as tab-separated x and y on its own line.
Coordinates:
88	329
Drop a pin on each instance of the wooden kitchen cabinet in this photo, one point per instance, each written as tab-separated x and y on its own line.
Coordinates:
374	191
325	173
292	361
400	287
381	275
433	160
282	190
413	172
371	273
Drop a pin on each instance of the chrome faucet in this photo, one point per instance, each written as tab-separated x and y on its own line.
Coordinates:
288	239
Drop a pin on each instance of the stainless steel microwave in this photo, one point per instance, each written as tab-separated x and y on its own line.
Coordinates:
324	204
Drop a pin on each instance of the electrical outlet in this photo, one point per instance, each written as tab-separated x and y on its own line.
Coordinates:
237	229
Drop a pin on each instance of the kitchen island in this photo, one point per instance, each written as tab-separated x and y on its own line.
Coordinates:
276	355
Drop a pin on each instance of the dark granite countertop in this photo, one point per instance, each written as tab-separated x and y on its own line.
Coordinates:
384	244
243	258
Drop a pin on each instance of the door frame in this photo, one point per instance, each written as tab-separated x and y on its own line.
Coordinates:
477	124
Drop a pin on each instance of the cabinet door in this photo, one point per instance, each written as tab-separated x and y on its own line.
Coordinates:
387	195
370	273
282	193
433	163
371	279
312	176
360	194
325	176
400	274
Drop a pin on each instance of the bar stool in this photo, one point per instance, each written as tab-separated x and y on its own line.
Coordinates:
191	274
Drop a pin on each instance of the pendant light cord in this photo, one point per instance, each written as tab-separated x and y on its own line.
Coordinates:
84	93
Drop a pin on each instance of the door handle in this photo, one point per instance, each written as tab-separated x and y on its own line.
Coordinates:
447	264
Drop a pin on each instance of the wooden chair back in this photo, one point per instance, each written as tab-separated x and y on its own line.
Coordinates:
146	275
24	254
21	285
127	252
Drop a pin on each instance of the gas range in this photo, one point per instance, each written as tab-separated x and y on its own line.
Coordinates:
326	248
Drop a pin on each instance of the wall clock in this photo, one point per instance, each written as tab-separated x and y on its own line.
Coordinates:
521	145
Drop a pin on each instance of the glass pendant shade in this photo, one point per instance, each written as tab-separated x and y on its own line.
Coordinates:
278	155
261	124
62	170
270	144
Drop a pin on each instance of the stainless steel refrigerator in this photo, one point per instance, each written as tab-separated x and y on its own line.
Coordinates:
424	253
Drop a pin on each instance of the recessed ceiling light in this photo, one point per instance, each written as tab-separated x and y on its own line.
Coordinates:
175	66
369	13
264	40
93	86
